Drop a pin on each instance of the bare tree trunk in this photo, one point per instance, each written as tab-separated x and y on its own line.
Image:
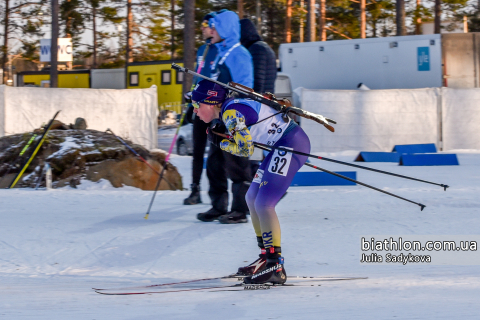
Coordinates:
311	21
258	13
54	47
128	48
363	19
322	21
188	41
5	42
94	27
418	21
302	5
240	8
438	13
400	17
129	40
271	22
172	17
288	22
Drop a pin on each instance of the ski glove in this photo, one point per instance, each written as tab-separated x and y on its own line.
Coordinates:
215	139
242	145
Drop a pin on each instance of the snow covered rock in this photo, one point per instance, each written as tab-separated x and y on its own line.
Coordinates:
75	155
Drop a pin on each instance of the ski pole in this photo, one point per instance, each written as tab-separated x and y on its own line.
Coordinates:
350	164
140	157
422	206
166	160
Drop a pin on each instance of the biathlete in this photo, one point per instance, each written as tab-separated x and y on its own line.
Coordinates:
248	121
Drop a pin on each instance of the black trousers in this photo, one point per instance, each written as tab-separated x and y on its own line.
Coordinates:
199	143
220	166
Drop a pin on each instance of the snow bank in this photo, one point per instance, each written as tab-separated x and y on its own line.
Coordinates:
131	114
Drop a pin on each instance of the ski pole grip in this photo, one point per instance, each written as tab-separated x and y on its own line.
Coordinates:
176	67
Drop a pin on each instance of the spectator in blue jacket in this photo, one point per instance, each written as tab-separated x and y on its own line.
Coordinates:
233	63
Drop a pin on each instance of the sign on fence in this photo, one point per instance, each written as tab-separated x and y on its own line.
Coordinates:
65	49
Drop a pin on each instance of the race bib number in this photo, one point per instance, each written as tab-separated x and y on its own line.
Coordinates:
258	176
280	162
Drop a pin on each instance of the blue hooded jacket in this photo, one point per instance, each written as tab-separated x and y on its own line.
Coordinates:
209	59
233	62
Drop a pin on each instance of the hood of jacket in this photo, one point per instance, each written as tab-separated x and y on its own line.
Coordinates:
228	27
249	34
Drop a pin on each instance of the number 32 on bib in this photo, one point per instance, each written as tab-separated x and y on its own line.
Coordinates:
280	162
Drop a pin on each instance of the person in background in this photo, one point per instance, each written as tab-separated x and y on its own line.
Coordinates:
264	70
263	57
206	54
233	63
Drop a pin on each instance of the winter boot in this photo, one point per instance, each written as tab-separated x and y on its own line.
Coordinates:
210	215
274	271
233	217
256	265
194	197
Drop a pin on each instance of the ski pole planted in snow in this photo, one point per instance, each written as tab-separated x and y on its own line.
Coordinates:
166	161
141	158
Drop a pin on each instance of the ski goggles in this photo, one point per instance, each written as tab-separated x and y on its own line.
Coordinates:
205	24
195	104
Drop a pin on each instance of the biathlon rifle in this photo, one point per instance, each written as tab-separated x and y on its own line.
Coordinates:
280	105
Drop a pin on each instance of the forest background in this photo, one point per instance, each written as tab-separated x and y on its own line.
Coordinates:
158	28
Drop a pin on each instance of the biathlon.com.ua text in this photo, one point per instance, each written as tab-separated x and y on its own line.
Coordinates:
420	249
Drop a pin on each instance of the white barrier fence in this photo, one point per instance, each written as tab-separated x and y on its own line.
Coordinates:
376	120
131	114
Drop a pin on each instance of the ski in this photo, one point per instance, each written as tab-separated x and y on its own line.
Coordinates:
34	153
233	287
217	284
232	276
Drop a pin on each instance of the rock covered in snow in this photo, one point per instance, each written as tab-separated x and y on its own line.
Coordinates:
75	155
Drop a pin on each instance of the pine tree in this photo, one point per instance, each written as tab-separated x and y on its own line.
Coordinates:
22	21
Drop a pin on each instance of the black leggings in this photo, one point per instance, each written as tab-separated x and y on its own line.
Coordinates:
199	143
220	165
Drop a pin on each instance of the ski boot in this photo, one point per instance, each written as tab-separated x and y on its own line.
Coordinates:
273	272
210	215
256	265
194	197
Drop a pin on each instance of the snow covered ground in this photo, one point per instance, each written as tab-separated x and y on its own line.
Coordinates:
56	245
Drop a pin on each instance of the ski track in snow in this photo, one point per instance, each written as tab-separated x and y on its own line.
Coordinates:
56	245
